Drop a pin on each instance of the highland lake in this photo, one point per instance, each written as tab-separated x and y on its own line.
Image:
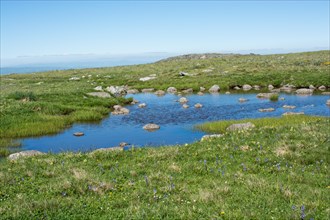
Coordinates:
176	123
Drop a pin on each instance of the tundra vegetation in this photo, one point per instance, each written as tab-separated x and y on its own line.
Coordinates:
278	169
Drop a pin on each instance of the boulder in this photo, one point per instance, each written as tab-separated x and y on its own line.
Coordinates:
304	91
190	90
148	90
270	87
160	92
151	127
202	89
143	79
293	113
183	100
117	90
242	126
322	88
214	89
200	93
247	87
266	110
185	106
99	94
289	106
98	88
78	134
312	87
132	91
142	105
171	90
242	100
119	110
198	105
27	153
209	136
237	88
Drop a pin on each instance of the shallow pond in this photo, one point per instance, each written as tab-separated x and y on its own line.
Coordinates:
176	123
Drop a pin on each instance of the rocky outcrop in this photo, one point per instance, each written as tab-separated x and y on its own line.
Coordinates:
304	91
27	153
151	127
119	110
171	90
242	126
214	89
266	110
99	94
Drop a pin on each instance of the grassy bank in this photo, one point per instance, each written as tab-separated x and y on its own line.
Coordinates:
45	103
272	172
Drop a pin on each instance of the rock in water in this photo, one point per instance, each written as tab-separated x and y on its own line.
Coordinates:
151	127
78	134
183	100
198	105
214	89
266	110
119	110
304	91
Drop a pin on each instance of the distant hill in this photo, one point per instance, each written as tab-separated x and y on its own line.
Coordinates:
203	56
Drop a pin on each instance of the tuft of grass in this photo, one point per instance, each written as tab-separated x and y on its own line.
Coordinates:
26	96
289	120
232	177
273	97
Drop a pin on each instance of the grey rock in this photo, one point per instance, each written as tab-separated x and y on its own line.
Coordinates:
148	90
242	126
289	106
117	90
202	89
142	105
27	153
264	95
171	90
190	90
247	87
237	88
185	106
200	93
214	89
99	94
184	74
270	87
304	91
151	127
322	88
74	78
227	93
119	110
98	88
132	91
312	87
256	87
160	92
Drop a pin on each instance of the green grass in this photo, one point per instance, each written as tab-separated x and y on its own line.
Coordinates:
273	97
269	172
220	126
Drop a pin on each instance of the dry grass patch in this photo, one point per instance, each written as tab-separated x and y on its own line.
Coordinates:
79	174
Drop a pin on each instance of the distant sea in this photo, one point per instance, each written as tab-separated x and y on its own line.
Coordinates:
80	64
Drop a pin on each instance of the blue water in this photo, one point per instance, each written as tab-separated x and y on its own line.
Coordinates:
176	122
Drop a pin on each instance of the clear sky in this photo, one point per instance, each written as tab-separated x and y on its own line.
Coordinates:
37	28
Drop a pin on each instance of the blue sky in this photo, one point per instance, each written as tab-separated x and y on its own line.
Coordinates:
38	28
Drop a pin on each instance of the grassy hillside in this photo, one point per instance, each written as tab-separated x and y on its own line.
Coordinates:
278	172
45	103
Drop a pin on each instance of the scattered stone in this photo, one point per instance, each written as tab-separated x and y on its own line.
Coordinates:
270	87
184	74
151	127
287	88
98	88
243	126
99	94
183	100
134	102
247	87
27	153
322	88
74	78
325	93
289	106
209	136
132	91
256	87
312	87
190	90
142	105
160	92
242	100
202	89
237	88
328	102
143	79
119	110
293	113
78	134
214	89
200	93
171	90
185	106
117	90
304	91
266	110
148	90
227	93
198	105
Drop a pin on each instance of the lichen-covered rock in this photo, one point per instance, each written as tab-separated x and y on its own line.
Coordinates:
27	153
